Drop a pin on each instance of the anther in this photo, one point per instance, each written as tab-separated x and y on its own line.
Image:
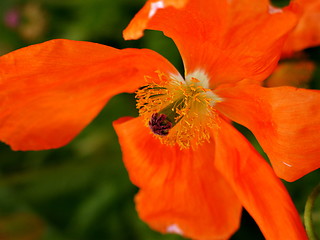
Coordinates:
159	124
178	112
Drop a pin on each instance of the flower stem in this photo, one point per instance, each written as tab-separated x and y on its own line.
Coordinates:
308	213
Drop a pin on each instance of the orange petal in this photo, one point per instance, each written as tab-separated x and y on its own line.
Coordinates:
229	40
285	121
49	92
296	74
181	191
258	188
307	33
136	27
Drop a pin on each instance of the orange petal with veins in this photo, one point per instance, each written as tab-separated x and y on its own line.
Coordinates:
259	190
49	92
228	40
180	191
285	121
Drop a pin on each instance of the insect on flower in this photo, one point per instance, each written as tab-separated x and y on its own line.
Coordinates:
194	170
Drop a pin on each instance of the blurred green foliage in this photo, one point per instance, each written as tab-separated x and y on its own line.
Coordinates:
82	191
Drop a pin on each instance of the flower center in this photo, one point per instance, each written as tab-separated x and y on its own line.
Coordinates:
178	112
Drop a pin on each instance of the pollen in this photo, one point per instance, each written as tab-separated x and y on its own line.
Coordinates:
178	112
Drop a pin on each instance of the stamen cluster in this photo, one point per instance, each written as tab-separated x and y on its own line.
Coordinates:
177	112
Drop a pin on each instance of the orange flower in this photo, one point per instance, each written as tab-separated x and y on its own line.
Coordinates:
307	33
194	170
292	73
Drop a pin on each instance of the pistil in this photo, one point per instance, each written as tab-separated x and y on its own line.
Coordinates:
178	113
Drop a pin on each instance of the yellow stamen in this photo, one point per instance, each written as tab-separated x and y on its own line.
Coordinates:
186	108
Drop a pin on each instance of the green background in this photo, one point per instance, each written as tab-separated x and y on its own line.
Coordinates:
82	191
